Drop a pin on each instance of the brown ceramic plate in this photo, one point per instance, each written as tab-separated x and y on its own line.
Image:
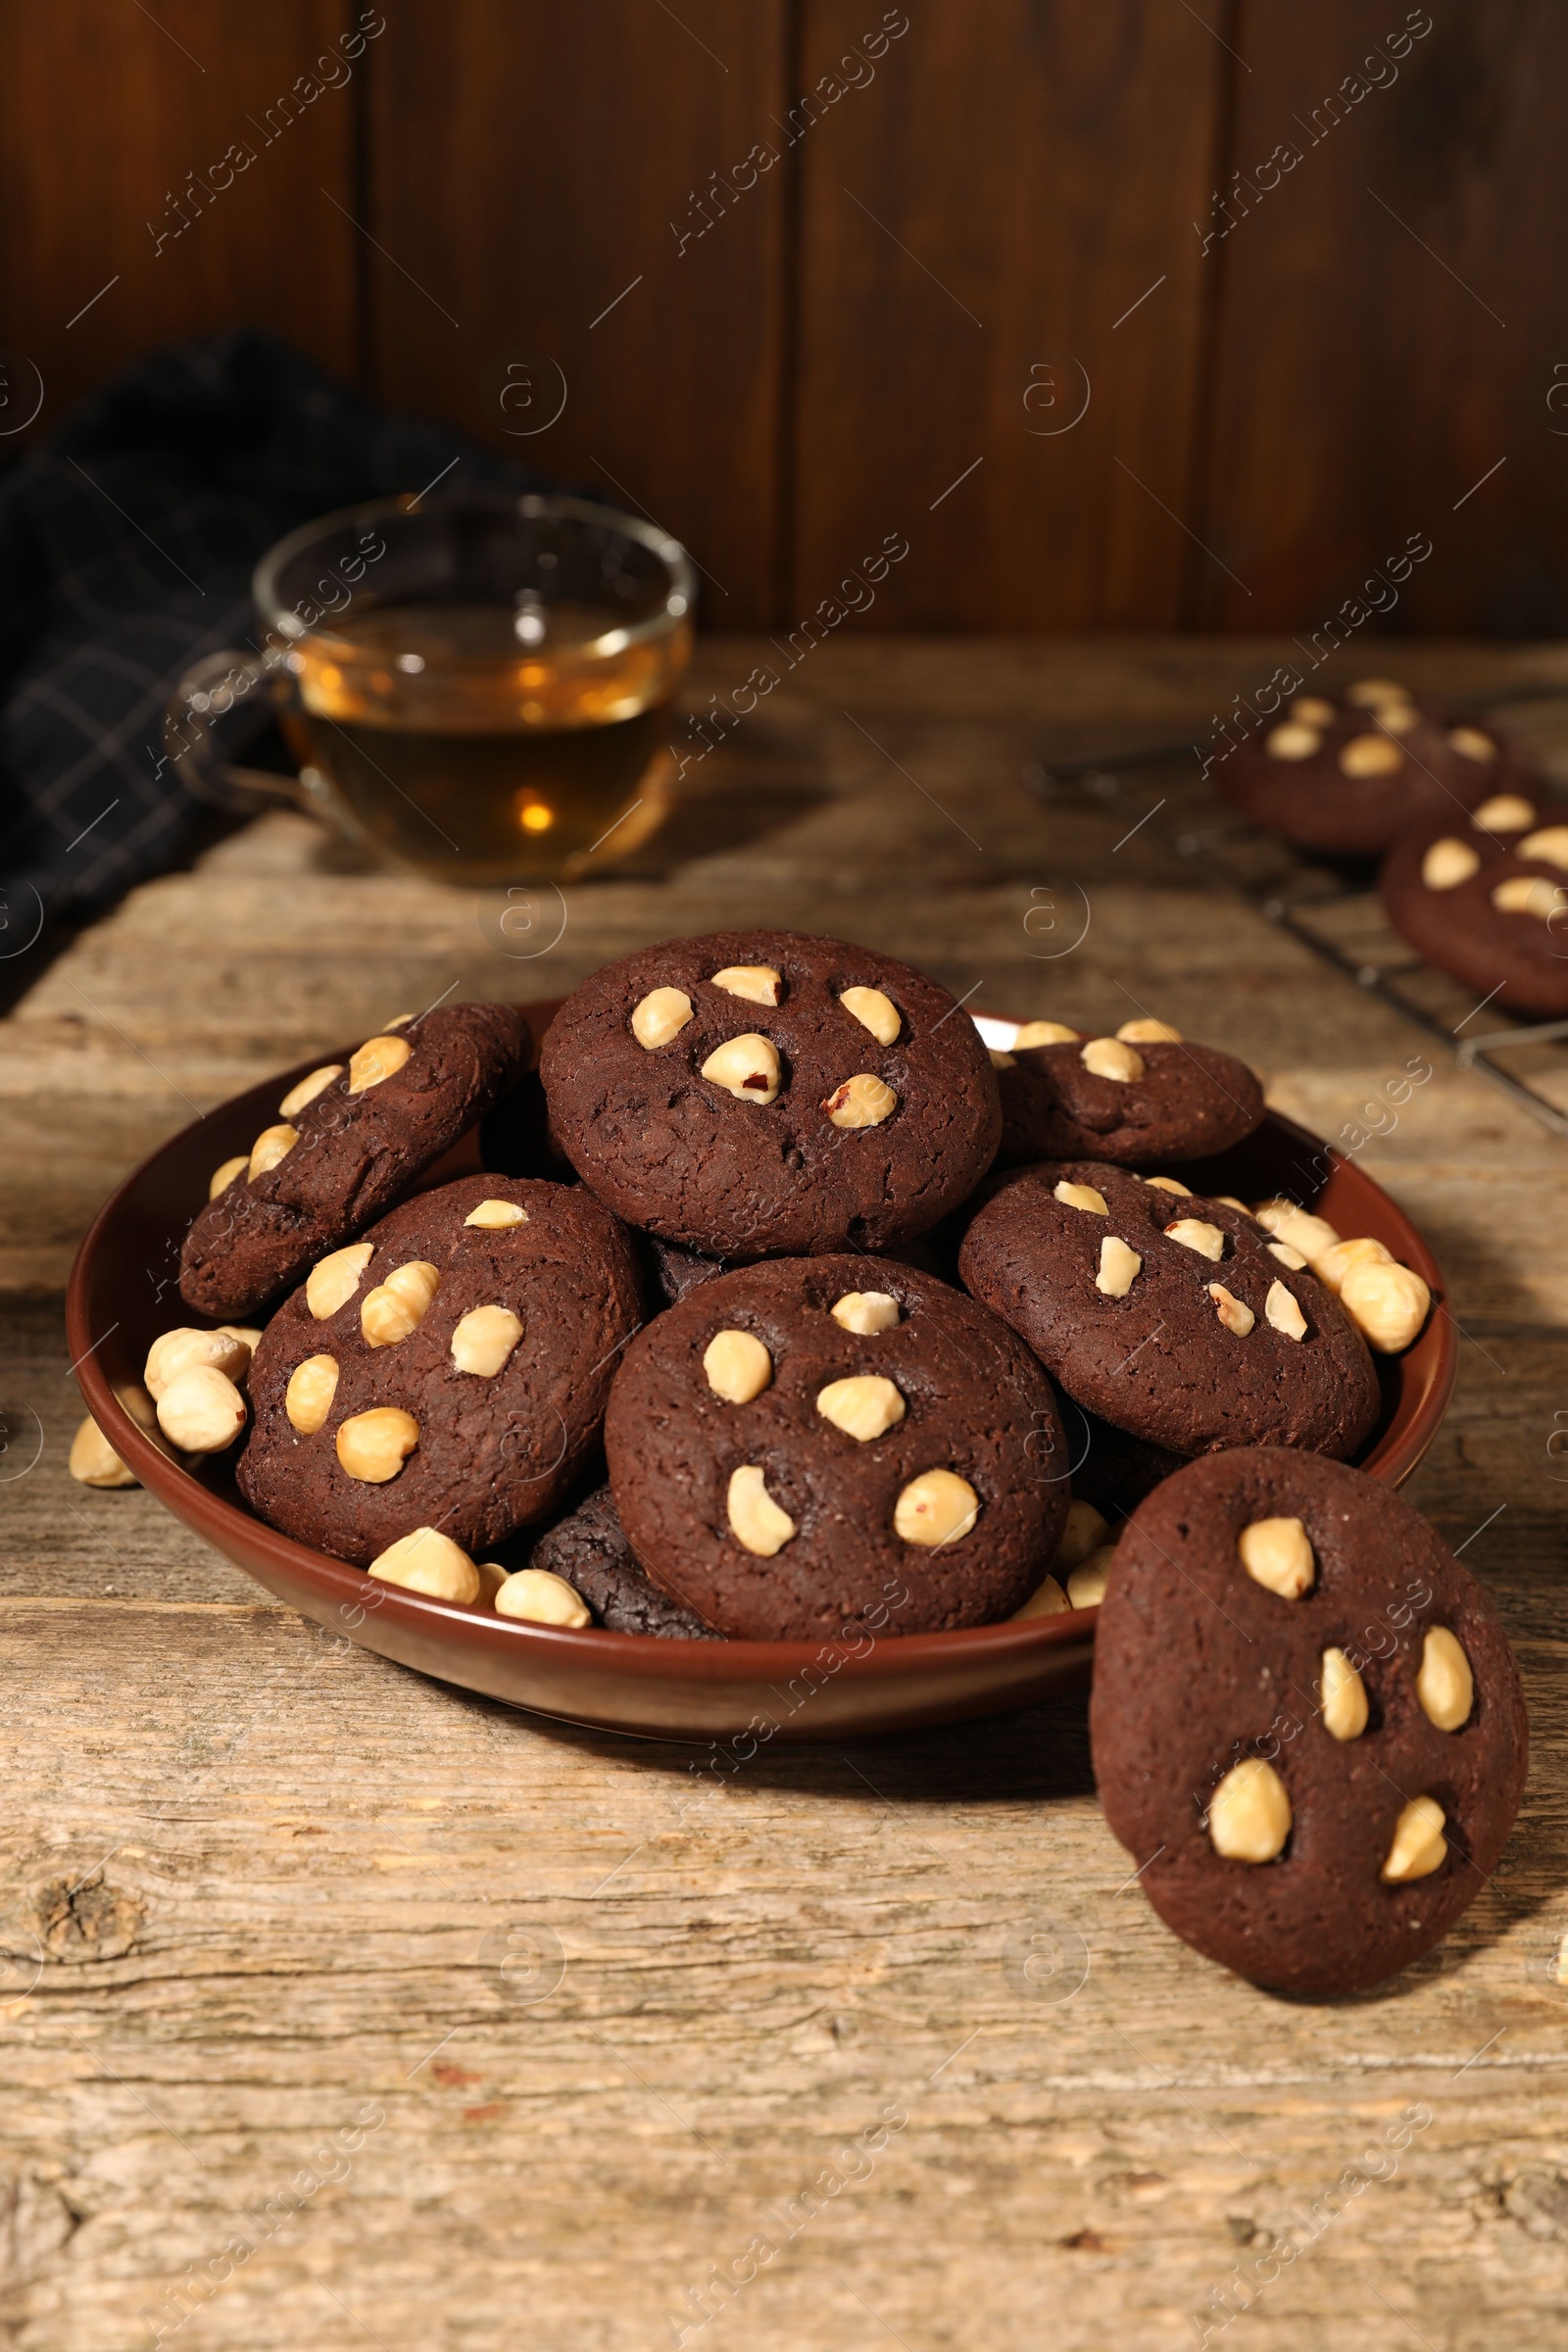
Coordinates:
122	1295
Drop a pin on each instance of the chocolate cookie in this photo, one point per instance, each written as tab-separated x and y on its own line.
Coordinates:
1345	777
1307	1726
589	1548
448	1370
1172	1316
1143	1095
796	1454
351	1139
759	1094
1486	898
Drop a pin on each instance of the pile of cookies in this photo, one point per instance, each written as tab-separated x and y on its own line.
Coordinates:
766	1343
1473	850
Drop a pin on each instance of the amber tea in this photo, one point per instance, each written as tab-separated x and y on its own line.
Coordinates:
513	738
477	687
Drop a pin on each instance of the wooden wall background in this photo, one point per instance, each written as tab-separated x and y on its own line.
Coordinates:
861	329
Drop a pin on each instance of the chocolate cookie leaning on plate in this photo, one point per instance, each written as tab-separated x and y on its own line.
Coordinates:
762	1093
1307	1727
1173	1317
1145	1094
348	1140
449	1370
836	1446
1486	898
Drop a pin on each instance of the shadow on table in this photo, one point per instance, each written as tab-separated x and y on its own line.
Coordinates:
1035	1755
717	822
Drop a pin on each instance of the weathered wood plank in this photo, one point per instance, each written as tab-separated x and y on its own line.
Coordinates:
1387	357
283	1933
544	180
165	170
994	405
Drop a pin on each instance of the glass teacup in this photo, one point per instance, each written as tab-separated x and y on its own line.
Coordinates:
477	689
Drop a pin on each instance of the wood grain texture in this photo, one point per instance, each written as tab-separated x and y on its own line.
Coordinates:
538	177
105	115
813	282
1390	319
975	223
340	2007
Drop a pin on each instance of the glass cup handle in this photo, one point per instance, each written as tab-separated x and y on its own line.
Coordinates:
219	706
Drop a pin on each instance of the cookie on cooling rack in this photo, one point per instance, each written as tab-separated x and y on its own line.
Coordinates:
449	1370
1345	777
349	1139
817	1446
1172	1316
1486	898
1307	1727
1146	1093
762	1093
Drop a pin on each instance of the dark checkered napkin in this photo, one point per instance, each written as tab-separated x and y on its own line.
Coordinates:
128	540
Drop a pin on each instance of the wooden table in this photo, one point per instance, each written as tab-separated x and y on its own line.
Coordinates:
275	2064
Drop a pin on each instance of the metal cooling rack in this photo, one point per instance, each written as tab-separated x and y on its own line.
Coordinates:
1337	916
